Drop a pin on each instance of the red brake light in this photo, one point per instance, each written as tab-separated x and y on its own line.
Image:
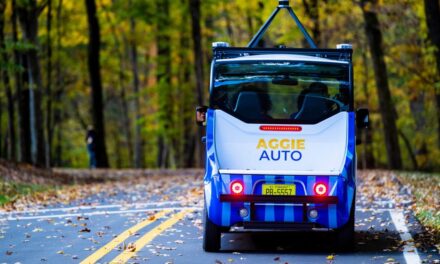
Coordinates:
320	189
237	187
281	128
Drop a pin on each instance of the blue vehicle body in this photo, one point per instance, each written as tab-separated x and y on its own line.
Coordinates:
280	139
226	213
222	207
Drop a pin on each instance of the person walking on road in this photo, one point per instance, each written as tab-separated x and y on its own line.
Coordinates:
91	146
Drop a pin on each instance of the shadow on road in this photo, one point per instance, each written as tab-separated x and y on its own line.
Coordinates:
372	241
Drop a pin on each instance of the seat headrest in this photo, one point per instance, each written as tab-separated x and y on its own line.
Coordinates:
248	105
314	107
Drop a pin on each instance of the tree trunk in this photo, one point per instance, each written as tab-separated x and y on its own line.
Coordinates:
28	16
368	161
25	123
58	93
96	85
197	49
432	11
411	153
386	105
262	43
138	142
163	77
49	131
6	81
23	106
1	129
312	10
198	68
209	23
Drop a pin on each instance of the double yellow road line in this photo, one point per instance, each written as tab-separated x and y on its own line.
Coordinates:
141	242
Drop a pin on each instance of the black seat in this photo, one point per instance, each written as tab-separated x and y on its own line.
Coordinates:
314	107
248	106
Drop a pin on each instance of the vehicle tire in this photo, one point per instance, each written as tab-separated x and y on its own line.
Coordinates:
211	235
345	236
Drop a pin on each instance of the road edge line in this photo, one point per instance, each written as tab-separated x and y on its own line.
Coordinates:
19	218
410	252
88	207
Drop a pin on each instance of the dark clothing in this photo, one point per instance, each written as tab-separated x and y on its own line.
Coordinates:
91	147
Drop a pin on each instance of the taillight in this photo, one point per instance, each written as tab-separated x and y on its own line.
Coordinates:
281	128
237	187
320	189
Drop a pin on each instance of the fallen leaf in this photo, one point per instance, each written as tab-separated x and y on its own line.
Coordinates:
330	257
85	229
131	247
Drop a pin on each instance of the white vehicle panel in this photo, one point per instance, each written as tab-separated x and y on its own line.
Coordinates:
318	149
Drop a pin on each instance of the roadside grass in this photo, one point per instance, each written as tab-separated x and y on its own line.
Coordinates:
425	187
12	191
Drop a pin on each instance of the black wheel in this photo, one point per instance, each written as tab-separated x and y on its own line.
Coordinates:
211	235
345	235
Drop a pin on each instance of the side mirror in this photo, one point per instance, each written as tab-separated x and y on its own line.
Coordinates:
201	115
362	118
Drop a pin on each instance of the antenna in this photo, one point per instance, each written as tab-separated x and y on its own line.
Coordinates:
282	4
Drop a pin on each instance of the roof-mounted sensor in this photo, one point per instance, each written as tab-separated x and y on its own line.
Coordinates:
220	44
344	46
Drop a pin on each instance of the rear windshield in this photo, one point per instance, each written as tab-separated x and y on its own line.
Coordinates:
281	92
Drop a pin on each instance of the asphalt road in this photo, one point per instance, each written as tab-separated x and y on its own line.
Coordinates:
158	220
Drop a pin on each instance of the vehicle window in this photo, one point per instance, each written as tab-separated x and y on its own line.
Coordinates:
287	92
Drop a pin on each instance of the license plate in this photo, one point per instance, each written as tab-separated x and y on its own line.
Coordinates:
279	189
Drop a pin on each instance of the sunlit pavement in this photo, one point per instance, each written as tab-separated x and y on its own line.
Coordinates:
166	228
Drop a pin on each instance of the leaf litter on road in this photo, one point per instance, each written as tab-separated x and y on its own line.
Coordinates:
374	186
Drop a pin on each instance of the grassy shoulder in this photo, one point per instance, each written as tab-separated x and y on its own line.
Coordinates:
425	187
12	191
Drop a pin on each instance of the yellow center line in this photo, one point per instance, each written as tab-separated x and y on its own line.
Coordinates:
145	239
121	238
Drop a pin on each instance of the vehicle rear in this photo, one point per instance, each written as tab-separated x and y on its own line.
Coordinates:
280	145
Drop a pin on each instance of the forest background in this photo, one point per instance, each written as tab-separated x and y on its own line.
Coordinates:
136	70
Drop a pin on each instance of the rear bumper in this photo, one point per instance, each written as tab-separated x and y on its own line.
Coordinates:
306	203
300	199
279	212
281	226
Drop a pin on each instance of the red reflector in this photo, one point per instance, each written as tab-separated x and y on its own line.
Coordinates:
281	128
237	187
320	189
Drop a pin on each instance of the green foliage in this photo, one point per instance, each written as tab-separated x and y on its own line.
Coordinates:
167	93
426	188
